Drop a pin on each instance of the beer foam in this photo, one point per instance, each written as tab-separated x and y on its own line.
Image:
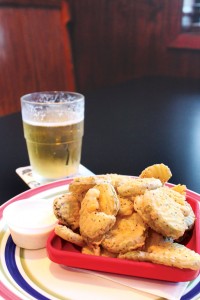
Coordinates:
53	124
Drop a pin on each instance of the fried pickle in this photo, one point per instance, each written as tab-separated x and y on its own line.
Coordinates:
128	233
66	209
94	223
166	252
108	199
159	171
159	210
67	234
137	186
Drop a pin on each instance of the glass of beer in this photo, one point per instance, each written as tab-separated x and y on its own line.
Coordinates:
53	125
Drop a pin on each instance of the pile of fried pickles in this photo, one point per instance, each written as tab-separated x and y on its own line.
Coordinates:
135	218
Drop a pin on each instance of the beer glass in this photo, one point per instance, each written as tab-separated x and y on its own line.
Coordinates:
53	125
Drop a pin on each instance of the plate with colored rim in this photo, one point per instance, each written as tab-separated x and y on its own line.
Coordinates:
30	274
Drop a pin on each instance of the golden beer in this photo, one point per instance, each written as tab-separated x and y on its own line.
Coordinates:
54	148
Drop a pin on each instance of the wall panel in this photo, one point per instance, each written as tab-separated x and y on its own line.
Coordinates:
118	40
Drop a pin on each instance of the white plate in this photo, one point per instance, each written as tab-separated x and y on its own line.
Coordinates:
29	274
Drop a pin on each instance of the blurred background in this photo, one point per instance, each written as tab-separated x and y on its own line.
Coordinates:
83	45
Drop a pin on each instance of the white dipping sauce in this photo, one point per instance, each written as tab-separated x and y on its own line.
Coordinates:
30	222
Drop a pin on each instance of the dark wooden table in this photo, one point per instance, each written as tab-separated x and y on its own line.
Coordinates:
127	128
